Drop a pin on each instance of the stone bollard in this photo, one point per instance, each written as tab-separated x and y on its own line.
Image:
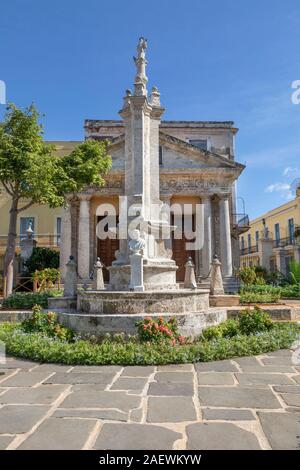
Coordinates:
136	246
70	285
216	283
98	282
189	277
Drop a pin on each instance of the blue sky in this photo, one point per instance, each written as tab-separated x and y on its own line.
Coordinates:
216	60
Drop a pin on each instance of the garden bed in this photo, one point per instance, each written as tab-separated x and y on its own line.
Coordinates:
39	347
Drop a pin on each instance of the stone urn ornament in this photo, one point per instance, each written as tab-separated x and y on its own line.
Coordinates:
189	277
216	283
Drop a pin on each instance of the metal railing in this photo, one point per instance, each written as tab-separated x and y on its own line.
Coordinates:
241	220
43	240
249	250
282	242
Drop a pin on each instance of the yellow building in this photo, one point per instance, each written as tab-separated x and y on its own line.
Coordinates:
272	240
45	222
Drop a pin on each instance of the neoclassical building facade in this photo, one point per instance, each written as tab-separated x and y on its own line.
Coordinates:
196	167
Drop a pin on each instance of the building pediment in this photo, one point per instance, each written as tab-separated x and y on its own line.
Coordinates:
180	155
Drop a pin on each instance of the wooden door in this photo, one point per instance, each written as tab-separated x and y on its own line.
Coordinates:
106	250
180	253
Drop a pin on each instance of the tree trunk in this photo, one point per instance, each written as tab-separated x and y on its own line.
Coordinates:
11	248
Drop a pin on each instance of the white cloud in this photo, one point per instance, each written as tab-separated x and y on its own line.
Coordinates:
284	189
290	172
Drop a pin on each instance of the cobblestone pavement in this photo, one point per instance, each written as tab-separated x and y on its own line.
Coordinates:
244	403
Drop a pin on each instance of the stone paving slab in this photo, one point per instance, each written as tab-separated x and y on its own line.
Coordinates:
259	369
222	404
80	378
220	436
137	371
171	410
174	377
238	397
129	383
60	434
99	369
98	399
281	429
111	415
263	379
5	441
25	379
216	366
227	415
136	436
277	361
15	419
171	389
287	389
215	378
45	394
291	399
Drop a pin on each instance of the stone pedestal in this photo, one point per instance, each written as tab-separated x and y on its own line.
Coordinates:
216	283
70	285
189	277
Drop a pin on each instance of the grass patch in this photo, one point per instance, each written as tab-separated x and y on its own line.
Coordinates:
39	347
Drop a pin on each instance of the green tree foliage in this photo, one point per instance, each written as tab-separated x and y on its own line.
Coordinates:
31	173
42	258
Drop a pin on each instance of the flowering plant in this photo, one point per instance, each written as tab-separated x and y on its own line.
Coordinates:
158	330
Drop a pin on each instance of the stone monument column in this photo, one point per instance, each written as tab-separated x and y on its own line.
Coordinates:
141	118
84	237
207	237
225	236
65	240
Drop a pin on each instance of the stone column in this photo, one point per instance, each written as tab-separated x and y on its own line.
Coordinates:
225	236
207	236
65	240
84	237
280	260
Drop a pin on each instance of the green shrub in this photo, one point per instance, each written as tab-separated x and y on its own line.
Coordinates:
212	332
46	278
254	321
229	328
159	330
27	300
291	291
41	348
247	275
294	272
42	258
260	294
47	324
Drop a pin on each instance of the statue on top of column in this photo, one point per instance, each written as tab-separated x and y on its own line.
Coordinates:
141	62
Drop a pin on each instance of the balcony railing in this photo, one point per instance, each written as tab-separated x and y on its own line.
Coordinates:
241	220
249	250
43	240
282	242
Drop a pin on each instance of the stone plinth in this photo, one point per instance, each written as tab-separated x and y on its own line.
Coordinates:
224	300
189	324
156	276
147	302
